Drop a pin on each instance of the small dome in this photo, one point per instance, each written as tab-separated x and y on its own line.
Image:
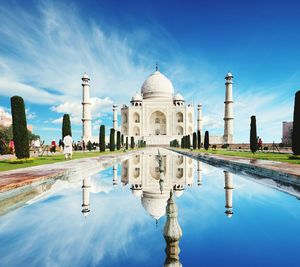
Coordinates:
157	85
85	76
155	203
137	97
137	192
178	97
178	193
228	75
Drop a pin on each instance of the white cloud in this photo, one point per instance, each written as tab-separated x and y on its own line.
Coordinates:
98	107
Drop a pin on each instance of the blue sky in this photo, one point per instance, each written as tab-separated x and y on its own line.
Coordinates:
46	46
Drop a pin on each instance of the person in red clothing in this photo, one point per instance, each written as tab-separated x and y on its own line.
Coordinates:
260	144
53	146
11	146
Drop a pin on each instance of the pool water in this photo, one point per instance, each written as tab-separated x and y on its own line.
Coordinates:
116	218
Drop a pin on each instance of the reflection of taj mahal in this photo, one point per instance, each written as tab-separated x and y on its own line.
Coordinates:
143	174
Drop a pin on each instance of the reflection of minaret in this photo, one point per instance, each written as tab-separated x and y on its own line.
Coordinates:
199	171
86	196
228	192
172	234
115	175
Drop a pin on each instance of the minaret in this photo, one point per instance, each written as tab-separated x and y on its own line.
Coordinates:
172	234
228	193
228	115
115	175
86	196
199	171
199	119
115	117
86	109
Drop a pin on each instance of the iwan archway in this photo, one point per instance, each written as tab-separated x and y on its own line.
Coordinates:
158	123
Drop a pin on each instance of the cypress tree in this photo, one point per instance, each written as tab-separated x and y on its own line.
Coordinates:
253	135
206	140
66	126
132	142
194	140
199	139
188	141
102	138
118	140
112	140
296	126
19	125
89	146
181	142
126	142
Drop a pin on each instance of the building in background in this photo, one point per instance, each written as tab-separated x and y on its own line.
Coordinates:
287	130
5	118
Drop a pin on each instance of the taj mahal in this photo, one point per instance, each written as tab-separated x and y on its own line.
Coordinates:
158	115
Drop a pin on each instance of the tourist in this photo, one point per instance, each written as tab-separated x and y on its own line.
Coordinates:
83	145
37	145
61	145
11	146
260	144
68	149
53	146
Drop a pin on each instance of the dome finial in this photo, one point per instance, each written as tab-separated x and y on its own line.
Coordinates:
156	67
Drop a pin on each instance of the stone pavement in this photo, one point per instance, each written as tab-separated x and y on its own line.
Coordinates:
32	175
287	173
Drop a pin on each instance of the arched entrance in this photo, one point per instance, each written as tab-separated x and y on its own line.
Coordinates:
157	123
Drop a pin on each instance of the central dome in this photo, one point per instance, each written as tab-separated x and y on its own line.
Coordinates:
157	85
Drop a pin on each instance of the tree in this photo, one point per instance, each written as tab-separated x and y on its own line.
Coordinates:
102	138
296	126
19	124
194	140
126	142
66	126
132	142
206	140
181	142
118	140
89	145
188	141
199	139
253	135
112	140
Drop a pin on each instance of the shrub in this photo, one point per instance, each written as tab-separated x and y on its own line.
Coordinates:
102	138
214	147
266	148
296	125
225	146
66	126
112	140
21	161
253	135
20	132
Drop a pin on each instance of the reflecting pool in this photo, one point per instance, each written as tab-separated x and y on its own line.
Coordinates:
117	217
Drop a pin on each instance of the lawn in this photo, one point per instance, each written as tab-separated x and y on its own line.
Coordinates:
6	166
258	155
